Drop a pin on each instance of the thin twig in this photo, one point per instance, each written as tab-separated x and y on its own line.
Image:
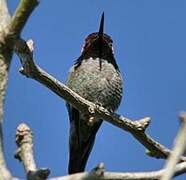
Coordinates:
20	17
136	128
177	151
25	154
153	175
4	16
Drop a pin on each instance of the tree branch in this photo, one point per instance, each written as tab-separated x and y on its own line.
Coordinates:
4	16
17	23
177	151
154	175
4	65
21	15
10	29
25	154
136	128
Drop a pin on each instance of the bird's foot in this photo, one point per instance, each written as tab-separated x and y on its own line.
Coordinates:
91	121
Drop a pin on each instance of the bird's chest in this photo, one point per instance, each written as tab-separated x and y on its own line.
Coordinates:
95	83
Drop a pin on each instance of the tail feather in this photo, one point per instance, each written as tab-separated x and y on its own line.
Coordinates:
81	143
79	157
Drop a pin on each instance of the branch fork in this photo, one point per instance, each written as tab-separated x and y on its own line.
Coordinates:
10	32
25	154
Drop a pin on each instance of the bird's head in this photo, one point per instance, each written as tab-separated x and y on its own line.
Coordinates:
98	45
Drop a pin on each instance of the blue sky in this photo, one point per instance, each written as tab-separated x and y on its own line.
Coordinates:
150	48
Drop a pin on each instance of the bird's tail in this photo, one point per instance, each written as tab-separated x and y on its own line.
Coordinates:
81	141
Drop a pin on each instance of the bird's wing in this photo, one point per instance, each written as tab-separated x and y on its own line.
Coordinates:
81	140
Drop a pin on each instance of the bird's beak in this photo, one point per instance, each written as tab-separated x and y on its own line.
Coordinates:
101	27
100	37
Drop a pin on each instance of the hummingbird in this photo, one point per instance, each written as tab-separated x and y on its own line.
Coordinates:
94	76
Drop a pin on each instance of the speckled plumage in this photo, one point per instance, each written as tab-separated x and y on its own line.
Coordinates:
99	86
98	80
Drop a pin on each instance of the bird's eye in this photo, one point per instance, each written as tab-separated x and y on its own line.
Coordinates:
110	44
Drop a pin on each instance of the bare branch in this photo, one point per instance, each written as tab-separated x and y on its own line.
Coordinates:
136	128
99	170
10	29
177	151
4	172
25	154
21	15
4	16
4	65
154	175
4	20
